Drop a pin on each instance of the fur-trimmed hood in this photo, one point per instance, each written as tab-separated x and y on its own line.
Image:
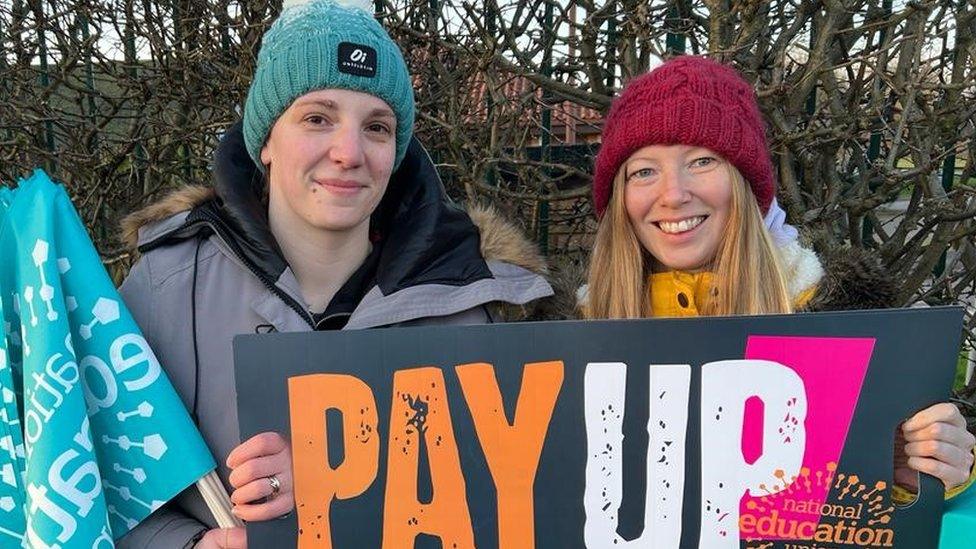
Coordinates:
178	201
849	279
846	280
501	239
853	279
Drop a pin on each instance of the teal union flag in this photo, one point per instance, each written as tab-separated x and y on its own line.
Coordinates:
93	437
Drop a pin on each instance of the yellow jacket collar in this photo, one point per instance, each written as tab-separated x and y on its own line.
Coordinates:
679	293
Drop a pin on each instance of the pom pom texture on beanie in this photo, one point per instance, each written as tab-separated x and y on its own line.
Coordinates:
309	47
687	101
363	5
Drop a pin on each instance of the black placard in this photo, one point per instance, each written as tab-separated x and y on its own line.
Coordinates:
620	385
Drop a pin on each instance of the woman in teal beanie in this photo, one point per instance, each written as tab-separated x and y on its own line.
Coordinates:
325	214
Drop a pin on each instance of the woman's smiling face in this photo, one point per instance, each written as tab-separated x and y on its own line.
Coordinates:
678	199
330	157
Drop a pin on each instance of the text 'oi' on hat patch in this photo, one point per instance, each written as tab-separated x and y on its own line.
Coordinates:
357	59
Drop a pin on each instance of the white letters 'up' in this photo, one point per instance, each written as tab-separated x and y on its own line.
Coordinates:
725	475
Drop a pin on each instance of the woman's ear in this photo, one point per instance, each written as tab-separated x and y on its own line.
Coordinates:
265	155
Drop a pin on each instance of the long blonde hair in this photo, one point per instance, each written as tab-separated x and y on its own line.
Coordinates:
747	273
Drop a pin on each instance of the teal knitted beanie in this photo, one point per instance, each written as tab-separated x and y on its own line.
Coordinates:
322	44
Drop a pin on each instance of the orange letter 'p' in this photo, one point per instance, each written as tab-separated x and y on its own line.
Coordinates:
316	482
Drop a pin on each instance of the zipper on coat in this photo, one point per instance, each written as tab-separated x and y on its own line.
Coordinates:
217	225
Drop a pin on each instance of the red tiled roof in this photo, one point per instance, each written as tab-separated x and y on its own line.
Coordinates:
519	88
521	98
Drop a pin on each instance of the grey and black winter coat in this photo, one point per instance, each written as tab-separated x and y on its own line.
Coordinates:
210	269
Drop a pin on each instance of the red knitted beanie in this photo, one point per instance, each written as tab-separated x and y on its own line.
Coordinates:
687	101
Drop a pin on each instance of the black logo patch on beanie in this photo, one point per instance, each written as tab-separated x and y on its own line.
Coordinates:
357	59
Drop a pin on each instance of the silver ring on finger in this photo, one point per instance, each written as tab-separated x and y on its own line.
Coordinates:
275	486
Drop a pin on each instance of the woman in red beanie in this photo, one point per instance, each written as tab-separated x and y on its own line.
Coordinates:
684	190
